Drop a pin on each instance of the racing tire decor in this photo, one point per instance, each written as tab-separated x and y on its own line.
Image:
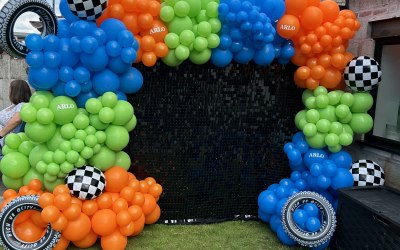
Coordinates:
10	13
302	237
8	239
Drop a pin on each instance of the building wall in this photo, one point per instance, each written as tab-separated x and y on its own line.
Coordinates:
368	11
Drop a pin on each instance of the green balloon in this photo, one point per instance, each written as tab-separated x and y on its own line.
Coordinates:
335	149
311	103
68	131
12	183
13	140
90	130
204	29
53	169
23	136
312	116
195	7
14	165
66	167
41	167
342	111
131	124
345	139
167	13
123	113
6	150
93	105
26	147
106	115
322	101
48	157
100	136
348	129
334	97
123	160
36	154
50	185
200	57
323	126
328	113
186	37
39	100
310	129
44	116
64	109
346	119
77	145
202	16
347	99
336	128
316	141
182	52
172	40
170	59
320	90
96	149
91	141
331	139
181	9
65	146
80	134
104	159
82	111
87	153
179	24
55	141
61	174
363	101
213	41
81	121
109	99
28	112
200	43
59	156
215	25
31	175
299	116
96	123
306	94
72	156
361	123
117	137
212	9
40	133
81	162
204	3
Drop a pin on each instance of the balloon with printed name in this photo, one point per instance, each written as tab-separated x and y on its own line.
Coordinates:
288	26
158	31
64	109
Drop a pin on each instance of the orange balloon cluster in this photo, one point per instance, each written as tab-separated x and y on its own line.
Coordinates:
141	17
320	33
33	187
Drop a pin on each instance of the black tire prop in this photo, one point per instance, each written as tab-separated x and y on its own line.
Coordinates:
8	239
10	13
302	237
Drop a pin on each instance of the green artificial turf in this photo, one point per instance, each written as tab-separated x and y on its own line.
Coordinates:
250	235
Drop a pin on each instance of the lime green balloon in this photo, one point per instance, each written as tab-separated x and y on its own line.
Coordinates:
51	185
117	137
104	159
200	43
312	116
323	125
87	153
93	105
331	140
23	136
61	174
14	165
96	148
81	121
59	156
167	13
181	9
316	141
182	52
39	100
31	175
106	115
40	133
44	116
172	40
80	134
342	111
186	37
336	128
328	113
123	113
195	7
6	150
13	140
72	156
347	99
77	145
179	24
11	182
202	16
322	101
55	141
200	57
66	167
48	157
212	9
123	160
204	29
348	129
307	94
64	109
26	147
320	90
41	167
67	131
65	146
109	99
131	124
299	116
82	111
28	112
100	136
91	141
311	103
335	149
347	118
310	129
363	101
204	3
345	139
213	41
36	154
53	169
96	123
334	97
361	123
170	59
90	130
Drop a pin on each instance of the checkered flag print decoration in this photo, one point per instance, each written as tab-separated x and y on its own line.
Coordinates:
367	173
86	183
87	9
362	74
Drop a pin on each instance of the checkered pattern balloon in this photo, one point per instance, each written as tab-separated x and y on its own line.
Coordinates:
87	9
367	173
362	73
86	182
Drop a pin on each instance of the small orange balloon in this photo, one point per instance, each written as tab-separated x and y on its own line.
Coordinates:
60	224
139	225
131	176
337	41
89	207
76	201
116	178
23	216
72	212
288	26
349	56
62	201
155	190
116	11
346	33
135	211
138	199
139	54
153	216
149	59
123	218
303	72
320	31
311	62
339	21
350	23
114	241
305	49
331	78
154	8
88	241
104	217
339	49
62	244
334	30
127	193
311	83
104	200
299	82
23	190
128	229
311	39
325	40
50	213
35	184
37	219
77	229
143	6
145	21
131	23
311	18
313	3
357	25
135	185
150	181
317	48
330	9
114	196
324	60
149	204
119	205
298	58
338	61
147	43
317	72
144	186
9	193
61	189
347	14
5	202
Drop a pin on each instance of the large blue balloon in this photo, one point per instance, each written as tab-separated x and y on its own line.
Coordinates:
131	81
105	81
263	216
342	159
34	42
267	201
116	65
112	27
52	59
96	61
221	58
265	56
314	156
275	222
273	8
35	59
51	43
72	88
43	78
342	179
245	55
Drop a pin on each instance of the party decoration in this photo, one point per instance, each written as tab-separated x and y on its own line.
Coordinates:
86	183
367	173
87	9
362	74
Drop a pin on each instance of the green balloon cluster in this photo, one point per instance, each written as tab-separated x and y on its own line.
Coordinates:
193	27
331	119
59	137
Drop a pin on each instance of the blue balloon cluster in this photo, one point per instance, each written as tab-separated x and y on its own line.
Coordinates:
248	33
84	61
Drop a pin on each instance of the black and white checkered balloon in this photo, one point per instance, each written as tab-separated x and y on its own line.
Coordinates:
87	9
367	173
362	74
86	182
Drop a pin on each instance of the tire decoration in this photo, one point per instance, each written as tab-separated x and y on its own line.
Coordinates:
8	239
328	222
10	13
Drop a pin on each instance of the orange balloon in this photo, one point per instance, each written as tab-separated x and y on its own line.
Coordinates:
138	199
104	217
311	18
31	192
119	205
325	40
330	9
337	41
296	7
114	196
303	72
145	21
311	39
23	216
77	230
89	207
331	78
161	50
62	201
338	49
127	193
5	202
28	232
135	185
288	26
129	5
139	225
347	14
143	6
36	218
311	83
89	240
60	223
349	56
114	1
334	30
317	48
317	72
61	189
131	176
149	59
23	190
305	49
50	213
135	211
150	181
302	39
149	204
62	244
9	193
104	200
154	8
147	44
117	178
357	25
35	184
339	21
155	190
298	58
313	2
153	216
128	229
320	31
158	31
72	212
299	82
114	241
76	201
340	86
346	33
338	61
131	22
311	62
144	186
116	11
123	218
324	60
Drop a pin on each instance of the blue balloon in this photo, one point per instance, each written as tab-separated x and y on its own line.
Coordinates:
294	155
328	196
236	46
246	26
300	216
116	65
131	81
121	96
313	224
247	6
263	216
51	43
63	28
343	178
34	42
265	56
135	44
235	34
66	12
75	44
287	51
286	183
125	38
241	16
223	9
301	184
299	136
279	205
99	35
230	18
58	89
96	61
311	209
323	181
86	86
302	146
81	74
312	183
284	237
89	44
305	174
221	58
297	166
43	78
52	59
295	175
316	169
288	147
329	168
281	192
274	222
113	48
35	59
272	187
112	27
105	81
83	97
225	42
72	88
128	55
68	58
274	8
314	156
245	55
66	74
267	201
235	5
292	191
254	16
80	28
342	159
257	27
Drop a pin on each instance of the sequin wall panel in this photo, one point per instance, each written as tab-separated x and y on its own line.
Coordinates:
213	137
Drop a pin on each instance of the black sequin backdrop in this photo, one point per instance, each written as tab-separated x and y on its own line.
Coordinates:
213	137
